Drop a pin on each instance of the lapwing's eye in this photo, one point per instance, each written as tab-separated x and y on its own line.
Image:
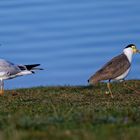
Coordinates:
133	47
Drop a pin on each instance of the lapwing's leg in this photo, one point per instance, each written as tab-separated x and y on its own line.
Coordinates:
129	87
1	87
109	88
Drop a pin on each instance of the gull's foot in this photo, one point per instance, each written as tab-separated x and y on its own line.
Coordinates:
1	93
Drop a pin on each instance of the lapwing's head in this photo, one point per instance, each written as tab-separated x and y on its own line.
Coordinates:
131	48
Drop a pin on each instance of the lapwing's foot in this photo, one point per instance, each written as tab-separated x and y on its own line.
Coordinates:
112	96
107	93
131	88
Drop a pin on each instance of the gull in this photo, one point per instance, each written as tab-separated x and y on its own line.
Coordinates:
9	70
116	69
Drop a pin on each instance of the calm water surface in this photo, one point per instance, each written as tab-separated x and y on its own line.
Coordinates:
71	39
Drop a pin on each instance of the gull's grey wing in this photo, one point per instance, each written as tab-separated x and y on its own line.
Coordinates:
8	67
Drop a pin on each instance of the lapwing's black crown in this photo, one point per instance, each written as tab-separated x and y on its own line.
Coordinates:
130	45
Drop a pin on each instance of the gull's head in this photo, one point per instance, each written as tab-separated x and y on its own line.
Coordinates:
131	49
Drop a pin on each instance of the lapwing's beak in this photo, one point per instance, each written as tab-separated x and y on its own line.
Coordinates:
137	51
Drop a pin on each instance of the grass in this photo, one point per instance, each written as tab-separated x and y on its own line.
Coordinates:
71	113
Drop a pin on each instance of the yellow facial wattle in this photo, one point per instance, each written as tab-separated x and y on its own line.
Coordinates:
135	50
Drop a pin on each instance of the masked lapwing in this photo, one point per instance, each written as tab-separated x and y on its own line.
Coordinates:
116	69
9	70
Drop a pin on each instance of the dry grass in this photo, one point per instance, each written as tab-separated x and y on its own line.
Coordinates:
71	113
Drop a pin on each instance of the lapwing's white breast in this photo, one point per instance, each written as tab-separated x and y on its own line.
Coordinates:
129	53
123	75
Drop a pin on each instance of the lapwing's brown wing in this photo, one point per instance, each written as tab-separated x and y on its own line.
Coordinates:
114	68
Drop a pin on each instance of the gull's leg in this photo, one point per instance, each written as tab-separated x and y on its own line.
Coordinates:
1	87
109	88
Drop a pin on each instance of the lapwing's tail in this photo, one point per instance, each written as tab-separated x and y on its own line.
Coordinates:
93	80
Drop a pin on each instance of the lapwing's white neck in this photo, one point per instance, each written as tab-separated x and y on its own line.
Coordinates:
129	53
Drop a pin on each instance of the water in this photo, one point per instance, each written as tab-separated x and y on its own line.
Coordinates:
71	39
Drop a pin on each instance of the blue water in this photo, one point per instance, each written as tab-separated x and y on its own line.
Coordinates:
70	39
